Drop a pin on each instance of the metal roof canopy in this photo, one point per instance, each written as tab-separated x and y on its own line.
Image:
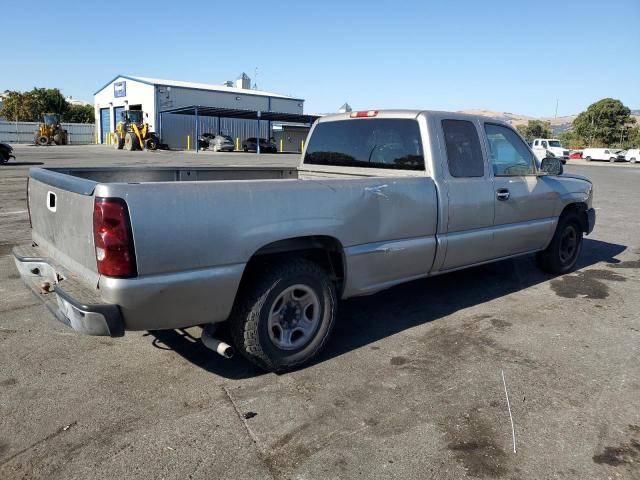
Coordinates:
242	114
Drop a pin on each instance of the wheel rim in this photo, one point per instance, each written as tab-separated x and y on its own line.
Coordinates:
294	317
568	244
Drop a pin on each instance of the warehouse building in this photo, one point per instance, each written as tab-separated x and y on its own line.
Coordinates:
176	109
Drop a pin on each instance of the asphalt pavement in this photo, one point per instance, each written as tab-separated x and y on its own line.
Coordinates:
413	384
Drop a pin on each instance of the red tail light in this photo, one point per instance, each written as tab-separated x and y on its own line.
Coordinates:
364	114
113	239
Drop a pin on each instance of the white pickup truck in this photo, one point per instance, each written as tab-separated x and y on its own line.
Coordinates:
379	198
542	147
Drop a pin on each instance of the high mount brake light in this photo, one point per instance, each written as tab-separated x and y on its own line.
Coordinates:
113	239
364	114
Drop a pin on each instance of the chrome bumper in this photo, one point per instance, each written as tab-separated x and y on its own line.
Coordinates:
71	302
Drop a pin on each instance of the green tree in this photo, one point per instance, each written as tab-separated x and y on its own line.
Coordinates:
80	114
571	139
535	129
603	122
19	107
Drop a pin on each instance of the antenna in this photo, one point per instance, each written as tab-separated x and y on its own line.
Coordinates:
255	78
556	115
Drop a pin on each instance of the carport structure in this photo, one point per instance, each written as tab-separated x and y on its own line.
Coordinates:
220	112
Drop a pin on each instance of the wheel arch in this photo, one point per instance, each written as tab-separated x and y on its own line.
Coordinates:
325	250
579	208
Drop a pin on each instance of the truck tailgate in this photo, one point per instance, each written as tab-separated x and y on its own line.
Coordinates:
62	223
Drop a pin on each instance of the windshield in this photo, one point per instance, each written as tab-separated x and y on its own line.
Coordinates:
135	116
555	143
374	143
51	118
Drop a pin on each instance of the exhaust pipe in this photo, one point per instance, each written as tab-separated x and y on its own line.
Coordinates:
214	344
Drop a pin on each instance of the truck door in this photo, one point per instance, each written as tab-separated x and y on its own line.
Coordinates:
469	191
524	202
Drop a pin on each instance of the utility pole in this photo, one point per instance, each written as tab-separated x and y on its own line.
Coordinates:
556	115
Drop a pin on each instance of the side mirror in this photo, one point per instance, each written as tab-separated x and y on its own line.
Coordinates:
551	166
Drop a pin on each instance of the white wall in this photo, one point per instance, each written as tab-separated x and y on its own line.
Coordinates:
137	93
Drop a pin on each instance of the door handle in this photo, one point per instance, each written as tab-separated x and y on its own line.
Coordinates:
502	194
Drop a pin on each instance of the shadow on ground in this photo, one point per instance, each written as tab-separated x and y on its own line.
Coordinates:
21	164
365	320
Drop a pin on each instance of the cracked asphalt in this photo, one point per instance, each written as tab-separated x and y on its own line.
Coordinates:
410	386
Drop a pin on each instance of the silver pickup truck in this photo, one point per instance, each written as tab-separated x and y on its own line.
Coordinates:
379	198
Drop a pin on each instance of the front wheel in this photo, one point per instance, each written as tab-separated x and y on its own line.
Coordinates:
562	253
612	160
285	315
588	159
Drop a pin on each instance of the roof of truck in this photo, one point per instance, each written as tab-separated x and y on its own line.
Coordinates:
406	113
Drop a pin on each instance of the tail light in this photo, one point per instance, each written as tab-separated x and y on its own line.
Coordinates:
364	114
113	239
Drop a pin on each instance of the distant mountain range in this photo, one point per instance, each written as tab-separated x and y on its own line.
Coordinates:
558	125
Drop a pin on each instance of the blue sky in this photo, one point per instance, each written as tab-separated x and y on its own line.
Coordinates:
515	56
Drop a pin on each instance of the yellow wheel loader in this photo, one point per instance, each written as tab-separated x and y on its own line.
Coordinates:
50	131
132	133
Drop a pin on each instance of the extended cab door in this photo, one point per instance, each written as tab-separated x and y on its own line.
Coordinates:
524	202
469	193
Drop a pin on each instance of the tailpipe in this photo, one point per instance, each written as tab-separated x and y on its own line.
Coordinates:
214	344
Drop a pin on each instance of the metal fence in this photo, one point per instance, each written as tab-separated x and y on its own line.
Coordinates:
22	132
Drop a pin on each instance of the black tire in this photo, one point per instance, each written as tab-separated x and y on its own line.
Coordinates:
65	137
3	159
249	321
57	139
633	160
130	141
588	159
558	258
43	140
245	148
612	160
118	141
151	143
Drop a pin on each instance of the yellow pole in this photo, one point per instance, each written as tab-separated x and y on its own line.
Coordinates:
301	145
281	146
237	144
188	142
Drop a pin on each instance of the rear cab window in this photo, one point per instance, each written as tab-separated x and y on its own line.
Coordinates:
391	143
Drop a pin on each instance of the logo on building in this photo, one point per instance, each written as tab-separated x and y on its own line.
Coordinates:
120	89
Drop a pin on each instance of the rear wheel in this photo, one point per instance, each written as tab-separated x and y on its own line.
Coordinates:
151	143
565	247
284	315
633	160
245	148
130	141
612	160
57	139
43	140
588	159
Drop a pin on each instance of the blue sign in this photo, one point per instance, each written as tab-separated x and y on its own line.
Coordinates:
120	89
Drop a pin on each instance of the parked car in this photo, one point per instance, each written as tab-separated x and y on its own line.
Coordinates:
6	152
545	147
575	155
272	250
632	155
204	140
249	145
608	154
222	143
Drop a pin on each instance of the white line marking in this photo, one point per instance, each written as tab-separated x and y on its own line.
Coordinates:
13	213
513	431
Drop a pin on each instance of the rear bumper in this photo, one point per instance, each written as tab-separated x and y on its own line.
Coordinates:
72	303
151	302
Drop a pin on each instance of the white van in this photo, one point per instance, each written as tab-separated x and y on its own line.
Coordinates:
632	155
608	154
543	146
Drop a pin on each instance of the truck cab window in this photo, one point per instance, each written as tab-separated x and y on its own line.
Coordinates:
463	148
372	143
510	156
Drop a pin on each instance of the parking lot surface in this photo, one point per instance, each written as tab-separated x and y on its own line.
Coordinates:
411	385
